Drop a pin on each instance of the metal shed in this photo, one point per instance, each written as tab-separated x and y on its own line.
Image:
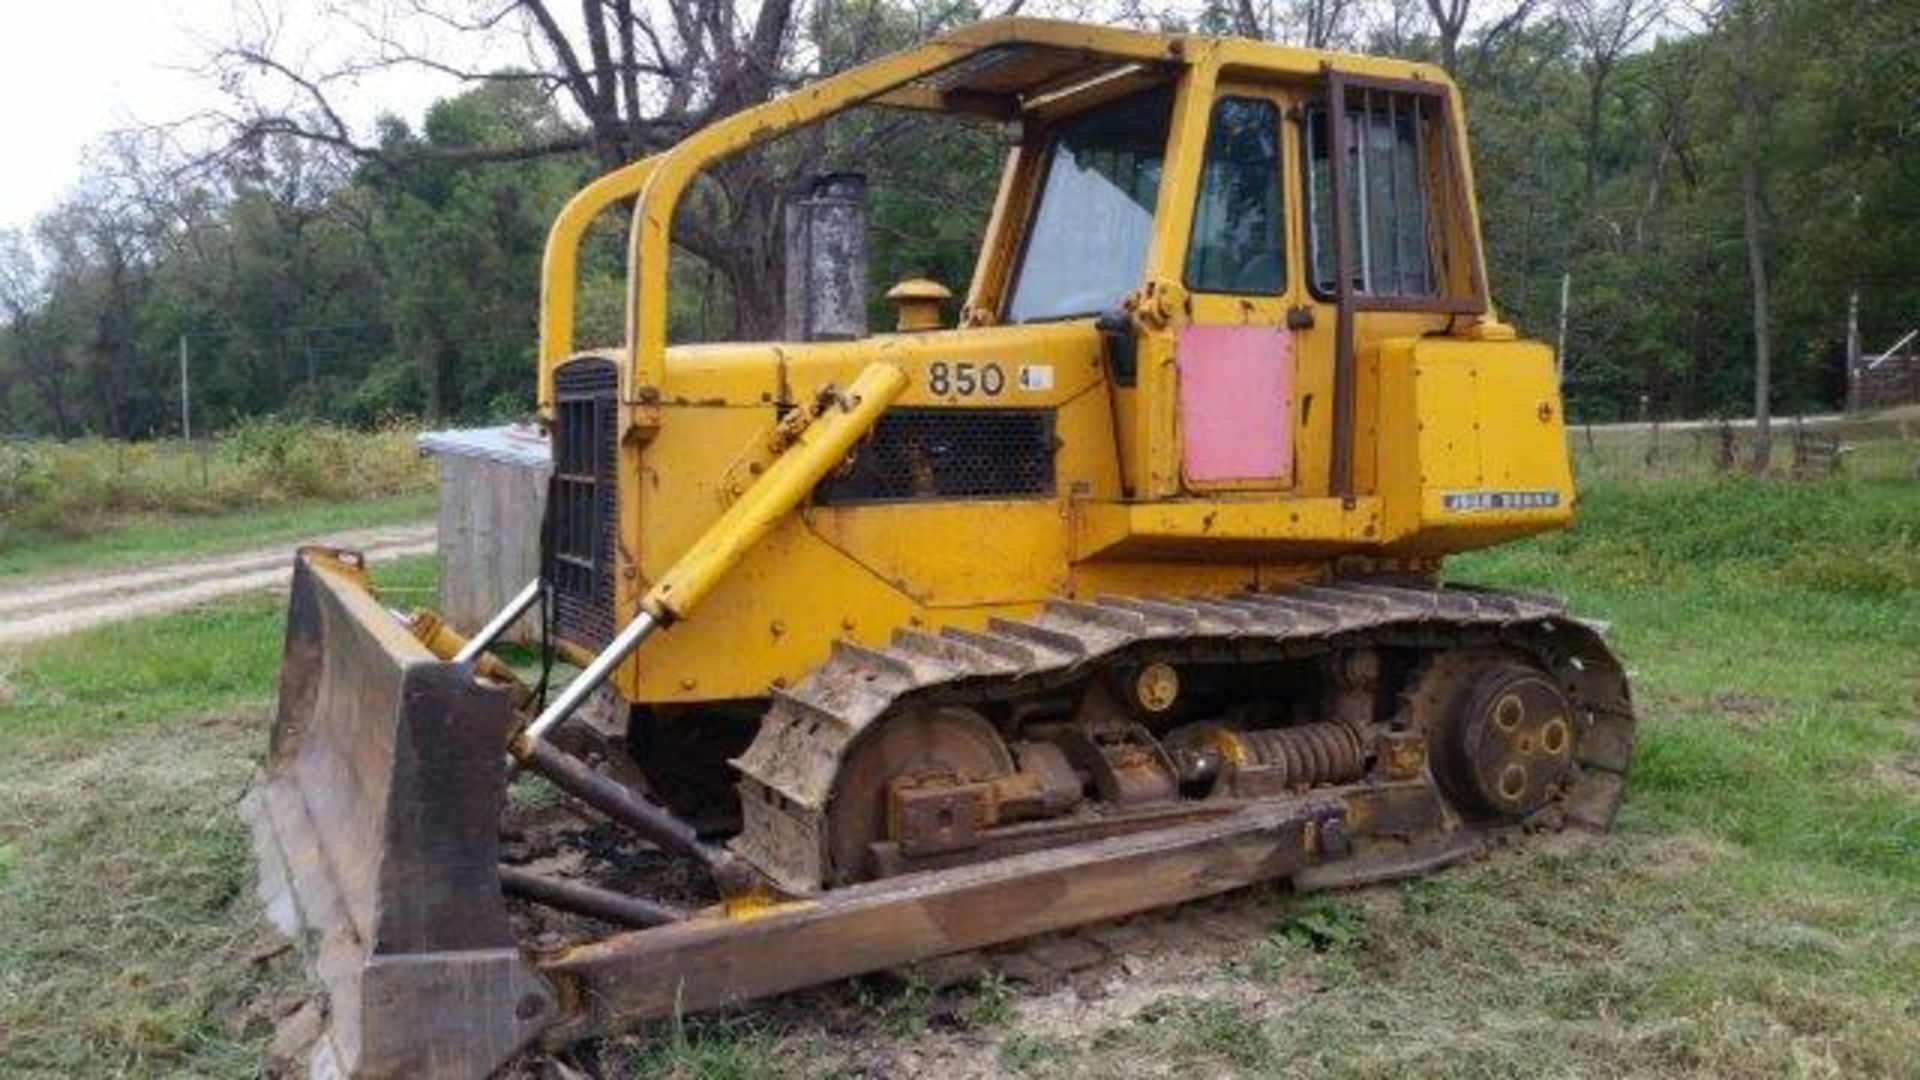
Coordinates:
493	487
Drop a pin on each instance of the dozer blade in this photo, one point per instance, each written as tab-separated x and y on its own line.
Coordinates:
376	828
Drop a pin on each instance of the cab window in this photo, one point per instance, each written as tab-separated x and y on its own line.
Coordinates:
1086	247
1237	245
1387	143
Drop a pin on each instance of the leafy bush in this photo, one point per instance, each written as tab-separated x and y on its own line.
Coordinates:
74	488
23	482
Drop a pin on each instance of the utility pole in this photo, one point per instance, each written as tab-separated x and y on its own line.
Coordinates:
1853	331
1560	347
1853	351
186	410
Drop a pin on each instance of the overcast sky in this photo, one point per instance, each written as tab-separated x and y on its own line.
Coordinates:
74	70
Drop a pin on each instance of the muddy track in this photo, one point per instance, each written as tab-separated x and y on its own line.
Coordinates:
44	608
790	769
1132	957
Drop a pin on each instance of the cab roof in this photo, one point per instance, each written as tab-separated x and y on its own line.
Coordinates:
1003	67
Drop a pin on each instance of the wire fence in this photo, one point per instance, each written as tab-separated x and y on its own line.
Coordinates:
1872	447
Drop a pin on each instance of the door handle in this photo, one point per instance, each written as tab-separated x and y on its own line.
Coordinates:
1299	317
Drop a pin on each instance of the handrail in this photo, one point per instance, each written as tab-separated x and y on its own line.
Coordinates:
651	241
560	265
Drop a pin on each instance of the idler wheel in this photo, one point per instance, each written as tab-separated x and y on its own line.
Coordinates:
946	742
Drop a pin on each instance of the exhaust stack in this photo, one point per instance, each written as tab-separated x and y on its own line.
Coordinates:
826	260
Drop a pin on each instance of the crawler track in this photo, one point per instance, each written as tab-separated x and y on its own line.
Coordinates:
790	769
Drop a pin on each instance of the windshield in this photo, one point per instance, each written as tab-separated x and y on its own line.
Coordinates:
1088	242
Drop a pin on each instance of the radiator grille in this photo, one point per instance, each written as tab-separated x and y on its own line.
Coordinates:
585	454
945	454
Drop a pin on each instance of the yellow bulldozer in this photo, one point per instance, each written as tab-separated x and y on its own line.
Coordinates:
1123	591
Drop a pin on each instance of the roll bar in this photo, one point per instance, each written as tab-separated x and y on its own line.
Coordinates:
658	182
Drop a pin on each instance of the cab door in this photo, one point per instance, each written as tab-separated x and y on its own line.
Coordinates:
1236	357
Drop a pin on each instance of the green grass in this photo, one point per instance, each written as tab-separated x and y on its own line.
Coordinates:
1758	912
171	537
133	942
1755	915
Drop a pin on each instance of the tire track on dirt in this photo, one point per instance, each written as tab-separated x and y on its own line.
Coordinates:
37	610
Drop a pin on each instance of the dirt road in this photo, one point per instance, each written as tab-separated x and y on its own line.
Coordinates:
47	608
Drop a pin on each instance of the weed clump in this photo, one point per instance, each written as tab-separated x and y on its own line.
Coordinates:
71	489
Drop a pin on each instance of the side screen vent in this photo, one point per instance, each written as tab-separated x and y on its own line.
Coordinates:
946	454
585	454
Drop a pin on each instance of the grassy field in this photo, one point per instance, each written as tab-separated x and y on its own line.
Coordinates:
91	501
1757	914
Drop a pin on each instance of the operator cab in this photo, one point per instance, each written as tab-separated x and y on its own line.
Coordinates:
1248	233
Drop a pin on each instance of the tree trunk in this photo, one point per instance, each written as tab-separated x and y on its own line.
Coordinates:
744	245
1762	358
1596	100
1449	19
47	373
1746	60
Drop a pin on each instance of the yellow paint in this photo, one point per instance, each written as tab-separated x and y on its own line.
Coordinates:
917	303
760	902
1469	416
816	450
560	269
715	525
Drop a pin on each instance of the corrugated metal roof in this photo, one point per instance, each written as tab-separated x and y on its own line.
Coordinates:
510	444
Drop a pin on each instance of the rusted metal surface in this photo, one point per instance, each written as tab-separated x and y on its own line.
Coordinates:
936	746
1422	95
709	963
385	795
634	911
1305	755
377	830
792	769
826	260
631	809
1027	837
1503	736
1340	438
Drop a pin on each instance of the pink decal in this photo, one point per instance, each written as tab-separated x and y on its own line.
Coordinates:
1236	403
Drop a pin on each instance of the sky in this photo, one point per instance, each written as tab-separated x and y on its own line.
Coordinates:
72	71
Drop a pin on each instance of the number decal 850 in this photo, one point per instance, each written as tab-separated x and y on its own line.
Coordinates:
965	379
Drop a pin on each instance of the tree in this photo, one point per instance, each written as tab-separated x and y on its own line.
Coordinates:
33	354
1312	24
639	77
360	275
1451	19
1745	28
1603	32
